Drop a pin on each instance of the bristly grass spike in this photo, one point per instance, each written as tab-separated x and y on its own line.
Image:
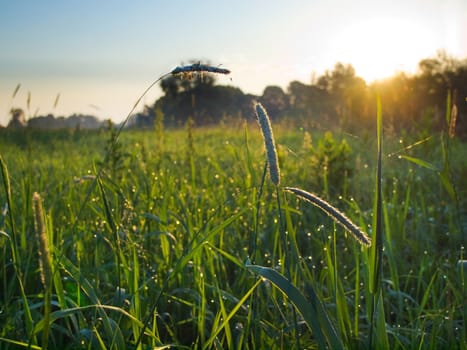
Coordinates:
271	152
334	213
199	68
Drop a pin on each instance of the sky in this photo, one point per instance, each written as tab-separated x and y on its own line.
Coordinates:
99	56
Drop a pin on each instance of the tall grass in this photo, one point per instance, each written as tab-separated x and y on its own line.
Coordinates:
152	254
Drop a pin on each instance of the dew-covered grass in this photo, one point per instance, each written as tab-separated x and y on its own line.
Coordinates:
152	242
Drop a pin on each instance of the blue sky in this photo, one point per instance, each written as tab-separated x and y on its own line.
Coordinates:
101	55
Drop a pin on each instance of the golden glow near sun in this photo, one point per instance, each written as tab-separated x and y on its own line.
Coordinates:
379	48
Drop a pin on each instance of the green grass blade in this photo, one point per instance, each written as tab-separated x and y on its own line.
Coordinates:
135	290
419	162
377	248
313	312
108	214
14	250
377	318
448	107
19	344
7	187
183	260
230	315
444	174
113	333
60	314
381	341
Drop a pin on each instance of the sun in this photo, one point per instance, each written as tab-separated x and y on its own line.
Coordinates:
379	48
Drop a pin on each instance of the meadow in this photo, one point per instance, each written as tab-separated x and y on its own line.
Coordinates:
179	239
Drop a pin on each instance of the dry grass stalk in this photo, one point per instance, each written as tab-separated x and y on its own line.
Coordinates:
45	260
271	152
83	178
452	124
16	90
334	213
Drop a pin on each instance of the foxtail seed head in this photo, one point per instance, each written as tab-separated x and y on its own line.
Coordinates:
271	153
199	68
334	213
45	260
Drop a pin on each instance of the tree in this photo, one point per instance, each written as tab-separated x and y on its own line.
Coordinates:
275	100
171	86
436	77
299	94
347	90
18	118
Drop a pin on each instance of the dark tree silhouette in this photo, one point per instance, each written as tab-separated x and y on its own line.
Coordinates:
18	118
275	100
337	99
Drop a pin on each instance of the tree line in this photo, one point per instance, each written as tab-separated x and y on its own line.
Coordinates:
337	99
50	122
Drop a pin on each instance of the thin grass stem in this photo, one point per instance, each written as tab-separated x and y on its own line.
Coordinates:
257	214
14	252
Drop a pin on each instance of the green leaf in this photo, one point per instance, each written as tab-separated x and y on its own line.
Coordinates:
420	162
382	341
448	186
113	333
60	314
378	335
313	312
226	318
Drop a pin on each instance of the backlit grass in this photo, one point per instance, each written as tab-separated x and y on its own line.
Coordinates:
152	252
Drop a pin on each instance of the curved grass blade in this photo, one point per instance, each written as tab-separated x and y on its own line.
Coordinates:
19	344
14	250
230	315
181	262
56	315
113	333
313	312
419	162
